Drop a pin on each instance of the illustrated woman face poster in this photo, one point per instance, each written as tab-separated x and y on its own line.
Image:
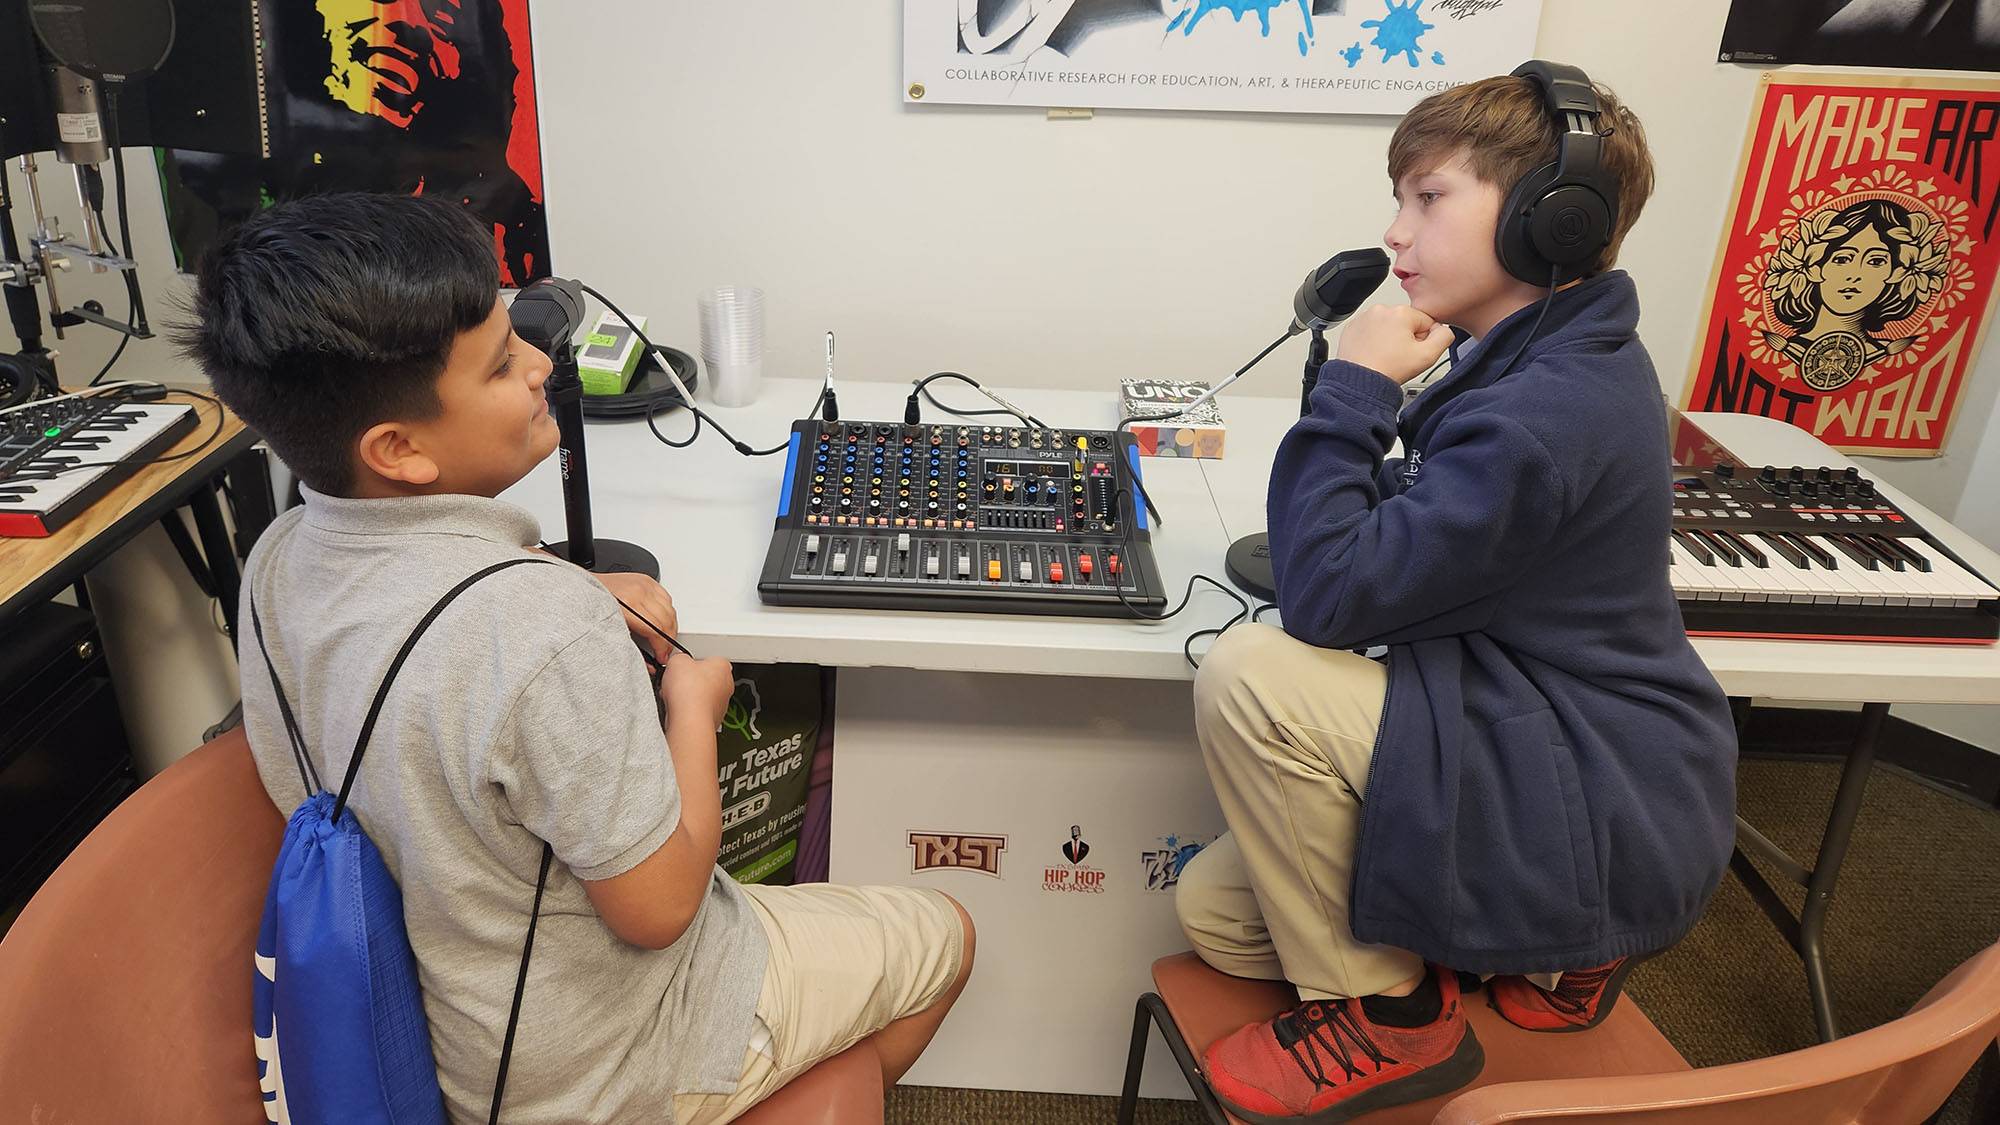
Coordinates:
1856	271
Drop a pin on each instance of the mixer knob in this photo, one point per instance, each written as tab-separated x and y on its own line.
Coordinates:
1725	470
1852	474
1826	473
1865	488
1767	474
1798	473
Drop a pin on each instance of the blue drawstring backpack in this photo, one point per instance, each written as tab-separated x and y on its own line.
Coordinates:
336	980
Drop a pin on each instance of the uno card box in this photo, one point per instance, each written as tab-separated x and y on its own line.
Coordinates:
1198	434
609	356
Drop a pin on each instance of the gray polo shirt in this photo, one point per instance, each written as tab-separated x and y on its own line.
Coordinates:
523	715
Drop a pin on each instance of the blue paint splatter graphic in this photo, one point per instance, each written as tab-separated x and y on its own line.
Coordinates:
1397	32
1352	55
1437	57
1192	12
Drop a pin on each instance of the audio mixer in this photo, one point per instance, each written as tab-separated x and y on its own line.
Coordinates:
983	518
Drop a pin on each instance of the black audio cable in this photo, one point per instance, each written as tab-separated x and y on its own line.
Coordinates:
700	416
1144	614
912	412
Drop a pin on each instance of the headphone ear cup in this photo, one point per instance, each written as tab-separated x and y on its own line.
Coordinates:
19	381
1513	240
1570	226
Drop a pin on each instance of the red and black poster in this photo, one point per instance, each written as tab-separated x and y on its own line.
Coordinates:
433	97
1856	272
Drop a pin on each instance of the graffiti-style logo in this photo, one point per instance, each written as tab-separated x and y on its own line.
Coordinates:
1164	864
964	851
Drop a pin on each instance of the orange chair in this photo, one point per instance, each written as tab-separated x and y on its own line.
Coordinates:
127	976
1623	1070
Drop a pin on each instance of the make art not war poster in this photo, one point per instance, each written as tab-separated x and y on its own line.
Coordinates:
1856	273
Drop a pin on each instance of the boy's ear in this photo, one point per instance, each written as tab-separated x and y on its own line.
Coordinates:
390	451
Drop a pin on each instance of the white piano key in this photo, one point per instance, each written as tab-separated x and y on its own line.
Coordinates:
1960	586
43	492
1698	578
1802	585
1875	590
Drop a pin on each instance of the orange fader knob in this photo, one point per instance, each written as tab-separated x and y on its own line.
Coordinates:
1055	572
1084	565
993	570
1112	563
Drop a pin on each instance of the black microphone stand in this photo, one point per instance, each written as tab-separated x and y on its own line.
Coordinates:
1249	558
585	549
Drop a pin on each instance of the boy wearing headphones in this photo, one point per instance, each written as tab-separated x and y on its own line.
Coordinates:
1540	778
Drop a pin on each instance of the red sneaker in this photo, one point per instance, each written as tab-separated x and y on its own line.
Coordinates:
1324	1061
1579	1001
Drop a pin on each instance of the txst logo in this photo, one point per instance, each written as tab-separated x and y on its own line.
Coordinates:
1075	878
1165	863
932	850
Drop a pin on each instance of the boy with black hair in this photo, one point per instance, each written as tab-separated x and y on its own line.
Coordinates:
1541	778
364	337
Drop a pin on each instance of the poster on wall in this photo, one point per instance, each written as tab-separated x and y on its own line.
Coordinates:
774	768
433	97
1911	34
1856	272
1281	56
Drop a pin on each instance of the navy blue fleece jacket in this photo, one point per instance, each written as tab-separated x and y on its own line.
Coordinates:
1554	779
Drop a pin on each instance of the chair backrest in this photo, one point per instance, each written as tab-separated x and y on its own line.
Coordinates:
127	976
1899	1072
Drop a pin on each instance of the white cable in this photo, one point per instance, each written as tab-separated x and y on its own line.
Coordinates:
88	392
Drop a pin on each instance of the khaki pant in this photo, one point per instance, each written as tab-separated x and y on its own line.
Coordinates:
1288	733
845	963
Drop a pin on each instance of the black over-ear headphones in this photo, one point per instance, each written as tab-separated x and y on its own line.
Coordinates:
21	379
1561	216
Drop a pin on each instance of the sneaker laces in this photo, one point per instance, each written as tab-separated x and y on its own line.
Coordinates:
1573	994
1333	1029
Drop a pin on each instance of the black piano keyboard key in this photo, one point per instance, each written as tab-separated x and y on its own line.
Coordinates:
1895	545
1695	547
1853	550
1815	552
1722	550
1754	556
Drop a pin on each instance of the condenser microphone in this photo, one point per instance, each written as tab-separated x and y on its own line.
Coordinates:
1331	293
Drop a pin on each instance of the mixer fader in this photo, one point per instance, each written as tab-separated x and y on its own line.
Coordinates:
984	518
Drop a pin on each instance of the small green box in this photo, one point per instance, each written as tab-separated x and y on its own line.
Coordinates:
609	355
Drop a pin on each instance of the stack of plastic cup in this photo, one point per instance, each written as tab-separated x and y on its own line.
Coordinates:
732	343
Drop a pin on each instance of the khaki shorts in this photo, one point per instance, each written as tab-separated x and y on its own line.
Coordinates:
845	963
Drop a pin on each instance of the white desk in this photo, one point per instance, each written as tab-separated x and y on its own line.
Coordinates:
707	512
1023	726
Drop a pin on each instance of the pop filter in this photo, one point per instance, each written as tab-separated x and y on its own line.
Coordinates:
109	40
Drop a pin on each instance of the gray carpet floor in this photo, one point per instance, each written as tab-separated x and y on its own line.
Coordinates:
1919	894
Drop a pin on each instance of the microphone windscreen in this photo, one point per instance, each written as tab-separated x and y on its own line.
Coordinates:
1332	292
548	312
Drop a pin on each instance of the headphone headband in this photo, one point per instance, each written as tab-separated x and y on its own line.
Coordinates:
1561	215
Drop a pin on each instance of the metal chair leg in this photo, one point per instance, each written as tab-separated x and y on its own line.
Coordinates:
1151	1007
1135	1063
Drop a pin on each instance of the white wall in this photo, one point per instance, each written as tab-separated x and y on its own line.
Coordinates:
765	142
